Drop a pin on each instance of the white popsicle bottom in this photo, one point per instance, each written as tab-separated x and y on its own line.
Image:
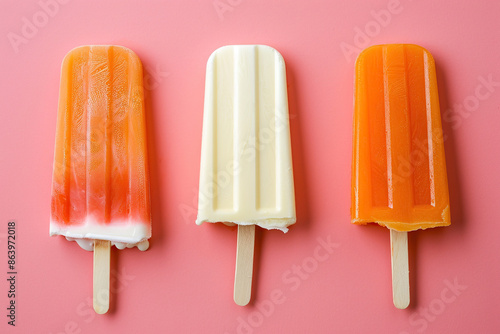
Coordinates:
125	234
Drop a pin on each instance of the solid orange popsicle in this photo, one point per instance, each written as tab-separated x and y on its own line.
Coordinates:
398	171
100	188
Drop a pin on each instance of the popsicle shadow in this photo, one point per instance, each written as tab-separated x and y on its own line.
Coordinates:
452	167
154	170
298	159
114	268
413	240
259	236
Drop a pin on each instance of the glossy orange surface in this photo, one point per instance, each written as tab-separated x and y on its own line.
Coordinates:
398	169
100	165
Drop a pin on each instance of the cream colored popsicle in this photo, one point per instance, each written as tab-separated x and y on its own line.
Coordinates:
246	173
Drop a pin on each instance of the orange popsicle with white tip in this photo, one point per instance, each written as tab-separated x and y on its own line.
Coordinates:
398	171
100	186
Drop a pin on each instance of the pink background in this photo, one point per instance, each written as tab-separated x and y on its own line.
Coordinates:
184	282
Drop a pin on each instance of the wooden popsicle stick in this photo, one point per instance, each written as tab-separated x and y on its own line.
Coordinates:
244	264
101	275
400	272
